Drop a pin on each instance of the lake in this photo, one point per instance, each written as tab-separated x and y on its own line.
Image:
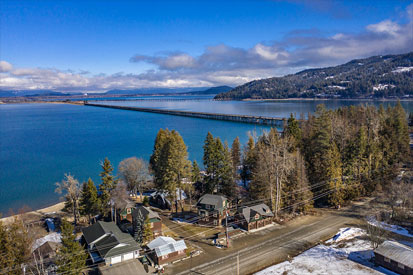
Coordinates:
39	143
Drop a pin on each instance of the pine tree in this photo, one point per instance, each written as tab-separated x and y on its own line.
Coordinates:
248	161
89	204
71	257
227	182
212	150
293	131
236	157
107	185
138	225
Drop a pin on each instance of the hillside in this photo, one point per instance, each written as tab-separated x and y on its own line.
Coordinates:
210	91
374	77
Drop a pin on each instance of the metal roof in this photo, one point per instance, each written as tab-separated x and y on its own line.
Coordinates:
166	245
397	252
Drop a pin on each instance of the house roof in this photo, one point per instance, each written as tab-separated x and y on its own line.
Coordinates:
46	249
250	211
166	245
397	252
210	199
145	211
108	240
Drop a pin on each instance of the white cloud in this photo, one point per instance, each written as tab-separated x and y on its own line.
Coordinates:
5	66
386	26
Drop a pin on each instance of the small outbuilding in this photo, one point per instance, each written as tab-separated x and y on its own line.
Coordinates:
395	257
165	249
153	217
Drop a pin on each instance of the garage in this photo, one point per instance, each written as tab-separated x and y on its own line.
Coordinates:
115	260
128	256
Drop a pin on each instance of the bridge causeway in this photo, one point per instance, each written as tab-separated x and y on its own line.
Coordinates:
272	121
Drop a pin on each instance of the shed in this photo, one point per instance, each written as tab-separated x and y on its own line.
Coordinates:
395	256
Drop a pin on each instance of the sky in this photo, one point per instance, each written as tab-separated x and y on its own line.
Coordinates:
95	46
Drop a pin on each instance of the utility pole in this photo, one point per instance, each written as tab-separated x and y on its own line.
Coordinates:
226	227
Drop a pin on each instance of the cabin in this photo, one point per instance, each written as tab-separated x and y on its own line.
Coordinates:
106	243
254	217
212	209
395	257
165	249
154	219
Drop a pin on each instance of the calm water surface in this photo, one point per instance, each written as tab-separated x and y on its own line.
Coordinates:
41	142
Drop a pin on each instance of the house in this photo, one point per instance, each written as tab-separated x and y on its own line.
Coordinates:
154	219
105	242
395	257
254	217
47	250
162	200
125	212
212	209
165	249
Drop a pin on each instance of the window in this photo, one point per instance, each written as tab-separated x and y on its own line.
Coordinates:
387	260
180	252
207	206
165	257
215	222
400	265
151	224
136	252
257	216
215	215
128	211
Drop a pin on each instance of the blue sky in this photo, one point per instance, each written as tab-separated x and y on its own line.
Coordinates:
99	45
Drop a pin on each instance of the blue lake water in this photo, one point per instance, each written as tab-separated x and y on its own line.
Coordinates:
41	142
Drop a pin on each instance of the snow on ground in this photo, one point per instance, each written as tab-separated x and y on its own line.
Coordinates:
390	227
382	87
348	252
52	237
402	69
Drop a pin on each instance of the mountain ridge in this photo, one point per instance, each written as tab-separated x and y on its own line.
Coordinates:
374	77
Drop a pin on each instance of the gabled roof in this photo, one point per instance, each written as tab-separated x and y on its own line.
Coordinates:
145	211
397	252
250	211
210	199
107	239
166	245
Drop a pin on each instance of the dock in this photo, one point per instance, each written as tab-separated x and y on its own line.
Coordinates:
260	120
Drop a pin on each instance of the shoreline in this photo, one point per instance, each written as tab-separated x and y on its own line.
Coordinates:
51	209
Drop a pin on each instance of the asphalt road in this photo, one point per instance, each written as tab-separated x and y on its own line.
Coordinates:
270	246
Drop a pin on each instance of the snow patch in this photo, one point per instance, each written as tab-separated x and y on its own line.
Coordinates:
337	87
390	227
329	77
382	87
345	253
402	69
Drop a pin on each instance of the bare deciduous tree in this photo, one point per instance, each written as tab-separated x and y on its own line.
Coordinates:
135	173
72	189
119	197
375	231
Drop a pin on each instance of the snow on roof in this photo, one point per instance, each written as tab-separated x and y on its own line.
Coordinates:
397	252
166	245
52	237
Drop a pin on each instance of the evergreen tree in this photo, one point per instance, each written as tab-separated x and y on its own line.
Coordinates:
138	225
107	185
89	204
212	157
236	157
248	161
293	131
147	231
228	184
71	257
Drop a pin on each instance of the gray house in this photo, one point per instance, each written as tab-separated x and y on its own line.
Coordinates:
212	209
254	217
107	243
395	257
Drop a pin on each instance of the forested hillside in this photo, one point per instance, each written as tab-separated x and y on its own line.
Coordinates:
374	77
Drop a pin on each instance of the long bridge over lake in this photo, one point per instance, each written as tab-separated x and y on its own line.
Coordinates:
272	121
